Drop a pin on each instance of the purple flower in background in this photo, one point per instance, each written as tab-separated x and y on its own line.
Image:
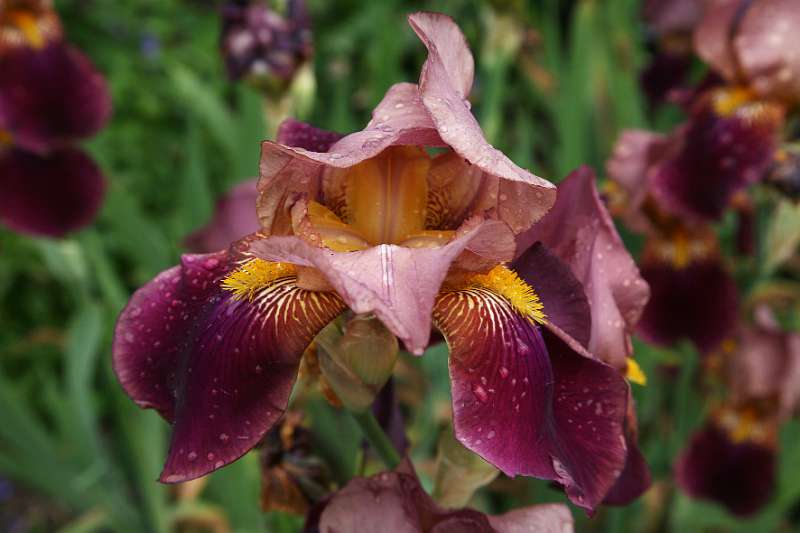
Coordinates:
261	45
396	502
234	218
50	96
375	224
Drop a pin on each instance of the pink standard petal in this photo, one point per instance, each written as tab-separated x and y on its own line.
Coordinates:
526	401
766	45
580	231
234	218
220	370
523	198
712	36
51	195
50	96
398	284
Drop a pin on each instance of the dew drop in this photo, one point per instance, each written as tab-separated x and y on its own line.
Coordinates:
210	456
480	393
192	456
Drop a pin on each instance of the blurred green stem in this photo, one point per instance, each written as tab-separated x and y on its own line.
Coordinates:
377	438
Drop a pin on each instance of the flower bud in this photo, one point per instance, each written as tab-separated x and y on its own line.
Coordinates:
459	472
358	360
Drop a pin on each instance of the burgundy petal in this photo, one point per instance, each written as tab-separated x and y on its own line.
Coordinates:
635	477
580	231
740	476
699	302
565	303
50	195
234	218
51	95
765	45
444	85
396	283
720	155
292	132
220	370
396	502
527	402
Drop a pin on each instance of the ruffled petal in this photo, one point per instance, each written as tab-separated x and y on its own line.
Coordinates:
765	46
51	195
50	96
396	283
580	232
396	502
526	401
221	370
234	218
699	302
721	153
523	198
740	476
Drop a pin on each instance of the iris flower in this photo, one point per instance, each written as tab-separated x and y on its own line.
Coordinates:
379	225
733	459
395	501
50	96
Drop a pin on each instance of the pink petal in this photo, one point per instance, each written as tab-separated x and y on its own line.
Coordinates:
672	16
50	96
396	502
712	36
529	403
220	370
234	218
398	284
580	231
739	476
522	197
49	195
766	43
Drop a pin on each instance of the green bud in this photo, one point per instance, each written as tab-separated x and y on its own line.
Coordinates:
459	472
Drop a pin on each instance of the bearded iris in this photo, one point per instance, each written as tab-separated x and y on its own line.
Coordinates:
414	220
50	96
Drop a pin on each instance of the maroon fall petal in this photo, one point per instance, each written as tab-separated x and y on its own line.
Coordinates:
50	96
740	476
220	370
562	295
720	155
635	478
234	218
49	196
535	388
698	302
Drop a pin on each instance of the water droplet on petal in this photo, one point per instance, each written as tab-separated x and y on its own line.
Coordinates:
480	393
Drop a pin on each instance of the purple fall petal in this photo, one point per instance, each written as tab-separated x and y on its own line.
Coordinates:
740	476
565	303
699	302
635	477
719	156
398	284
535	406
50	96
49	195
234	218
220	370
580	231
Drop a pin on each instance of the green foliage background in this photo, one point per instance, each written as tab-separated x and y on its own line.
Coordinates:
82	457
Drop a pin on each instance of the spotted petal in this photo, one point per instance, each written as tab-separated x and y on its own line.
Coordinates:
529	403
50	96
220	370
581	233
49	195
396	283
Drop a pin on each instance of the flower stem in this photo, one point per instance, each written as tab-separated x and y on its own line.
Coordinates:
377	438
